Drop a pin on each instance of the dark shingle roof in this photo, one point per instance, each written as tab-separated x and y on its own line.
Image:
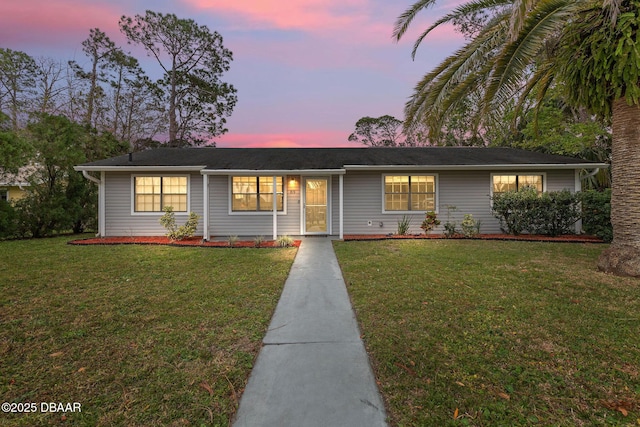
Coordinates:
333	158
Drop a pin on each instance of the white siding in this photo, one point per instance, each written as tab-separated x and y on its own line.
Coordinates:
222	223
468	191
121	222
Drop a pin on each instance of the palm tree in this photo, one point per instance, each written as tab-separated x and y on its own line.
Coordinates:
587	46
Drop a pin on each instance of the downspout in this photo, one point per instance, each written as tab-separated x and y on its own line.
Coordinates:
205	209
101	200
91	178
579	179
589	175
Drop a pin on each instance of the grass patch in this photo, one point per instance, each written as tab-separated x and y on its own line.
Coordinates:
497	333
139	335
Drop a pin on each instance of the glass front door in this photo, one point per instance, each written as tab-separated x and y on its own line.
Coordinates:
315	205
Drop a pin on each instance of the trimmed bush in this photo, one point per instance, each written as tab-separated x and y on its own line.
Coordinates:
525	211
596	213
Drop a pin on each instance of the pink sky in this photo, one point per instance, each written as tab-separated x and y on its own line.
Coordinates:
305	70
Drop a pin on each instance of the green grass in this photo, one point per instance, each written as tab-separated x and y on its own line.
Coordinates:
497	333
139	335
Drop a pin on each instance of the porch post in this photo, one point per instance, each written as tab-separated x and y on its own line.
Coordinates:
341	203
101	206
275	208
205	207
577	188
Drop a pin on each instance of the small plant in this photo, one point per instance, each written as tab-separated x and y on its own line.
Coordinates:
258	241
168	221
430	222
450	227
284	241
470	227
403	225
232	240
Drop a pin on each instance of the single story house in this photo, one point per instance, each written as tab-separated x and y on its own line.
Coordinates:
316	191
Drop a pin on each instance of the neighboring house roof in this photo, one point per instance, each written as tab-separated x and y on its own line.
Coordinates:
20	179
297	159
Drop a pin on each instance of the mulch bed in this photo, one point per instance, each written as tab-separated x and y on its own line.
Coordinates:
197	241
569	238
162	240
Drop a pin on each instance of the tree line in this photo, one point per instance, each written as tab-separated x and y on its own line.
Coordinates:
56	114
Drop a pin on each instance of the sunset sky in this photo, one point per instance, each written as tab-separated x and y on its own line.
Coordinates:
305	70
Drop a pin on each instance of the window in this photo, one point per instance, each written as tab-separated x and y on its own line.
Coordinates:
4	194
409	193
154	193
504	183
255	193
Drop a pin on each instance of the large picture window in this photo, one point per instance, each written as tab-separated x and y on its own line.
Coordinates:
255	193
154	193
504	183
409	193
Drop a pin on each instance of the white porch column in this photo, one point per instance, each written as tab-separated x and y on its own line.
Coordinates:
275	207
577	188
205	206
102	229
341	204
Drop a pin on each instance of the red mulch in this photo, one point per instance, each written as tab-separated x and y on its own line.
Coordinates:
162	240
569	238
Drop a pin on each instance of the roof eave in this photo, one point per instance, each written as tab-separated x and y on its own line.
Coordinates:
132	168
273	171
535	166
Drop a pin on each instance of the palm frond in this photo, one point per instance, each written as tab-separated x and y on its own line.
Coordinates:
542	23
404	20
458	13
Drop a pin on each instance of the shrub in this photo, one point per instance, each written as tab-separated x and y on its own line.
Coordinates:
168	221
258	241
552	213
555	213
232	240
403	225
8	220
596	213
284	241
511	209
430	222
470	227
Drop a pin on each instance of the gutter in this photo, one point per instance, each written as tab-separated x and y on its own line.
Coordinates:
536	166
252	172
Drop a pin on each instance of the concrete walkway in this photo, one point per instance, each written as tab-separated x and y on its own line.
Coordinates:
313	369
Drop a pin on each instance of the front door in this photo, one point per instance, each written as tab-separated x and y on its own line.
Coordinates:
316	207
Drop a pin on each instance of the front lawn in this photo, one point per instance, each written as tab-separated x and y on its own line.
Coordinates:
138	335
497	333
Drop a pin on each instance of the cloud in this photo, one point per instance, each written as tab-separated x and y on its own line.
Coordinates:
47	23
306	15
286	140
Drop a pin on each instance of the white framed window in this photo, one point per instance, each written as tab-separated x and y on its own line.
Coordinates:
254	194
152	193
504	182
409	193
